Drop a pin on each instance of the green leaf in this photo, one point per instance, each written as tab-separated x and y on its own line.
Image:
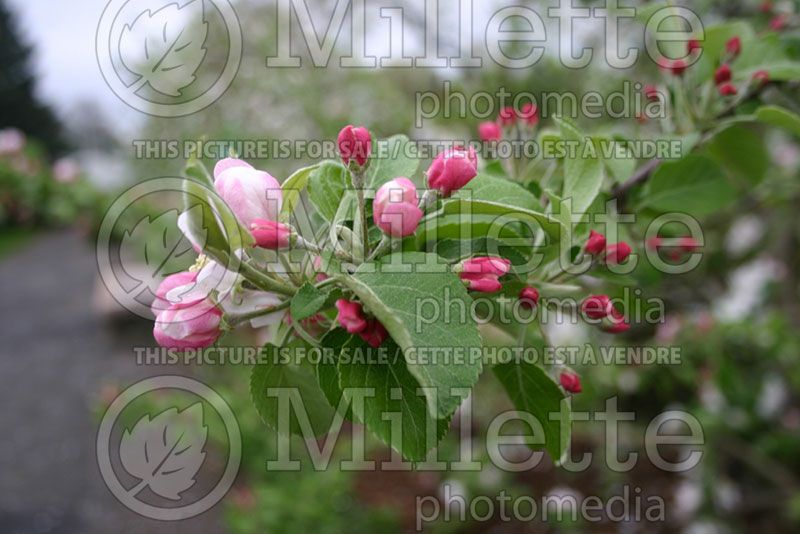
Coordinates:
295	380
499	191
469	208
583	170
533	391
207	216
390	159
741	152
326	187
694	185
401	286
327	368
196	170
780	117
292	187
396	395
307	301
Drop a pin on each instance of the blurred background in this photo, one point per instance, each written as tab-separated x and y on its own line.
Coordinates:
67	150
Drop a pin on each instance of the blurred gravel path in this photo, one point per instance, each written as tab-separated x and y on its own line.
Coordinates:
56	354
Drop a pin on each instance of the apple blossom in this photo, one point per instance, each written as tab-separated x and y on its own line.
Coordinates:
251	194
529	297
490	131
482	273
596	243
396	208
617	253
355	143
271	235
570	381
188	327
722	74
351	316
597	306
173	281
452	170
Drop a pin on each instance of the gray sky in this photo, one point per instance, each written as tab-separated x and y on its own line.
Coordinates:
64	56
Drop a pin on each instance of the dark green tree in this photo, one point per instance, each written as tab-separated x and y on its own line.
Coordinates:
19	105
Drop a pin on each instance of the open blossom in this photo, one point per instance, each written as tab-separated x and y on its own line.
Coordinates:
490	131
452	170
570	382
778	22
597	306
271	235
396	208
482	273
251	194
351	316
596	243
617	253
355	144
529	297
188	327
171	282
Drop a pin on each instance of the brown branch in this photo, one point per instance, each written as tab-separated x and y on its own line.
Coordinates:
640	176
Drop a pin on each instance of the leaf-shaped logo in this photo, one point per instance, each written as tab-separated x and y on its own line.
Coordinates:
166	452
165	47
146	250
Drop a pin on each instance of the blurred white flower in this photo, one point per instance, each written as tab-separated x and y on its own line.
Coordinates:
12	141
66	170
773	397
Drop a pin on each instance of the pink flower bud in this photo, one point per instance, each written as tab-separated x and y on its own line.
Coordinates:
188	327
723	74
529	297
351	316
778	22
249	193
675	66
728	89
692	45
689	244
617	253
507	116
317	263
374	333
596	243
355	143
452	170
654	243
270	235
761	77
481	274
570	382
530	114
734	46
490	131
597	306
651	93
161	302
396	208
618	323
